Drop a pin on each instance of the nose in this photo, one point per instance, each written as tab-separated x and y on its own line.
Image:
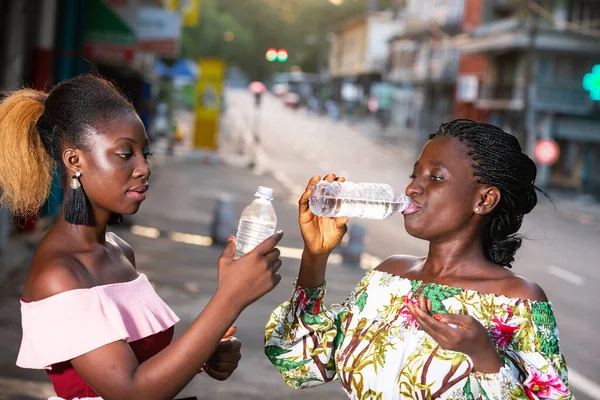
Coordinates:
414	188
142	170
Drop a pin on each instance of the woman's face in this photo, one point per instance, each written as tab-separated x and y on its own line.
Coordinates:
444	189
115	170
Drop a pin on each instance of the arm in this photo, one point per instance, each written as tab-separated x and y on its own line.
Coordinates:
302	337
516	357
534	367
113	371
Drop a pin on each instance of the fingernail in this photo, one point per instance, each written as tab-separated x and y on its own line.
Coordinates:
438	317
231	237
279	232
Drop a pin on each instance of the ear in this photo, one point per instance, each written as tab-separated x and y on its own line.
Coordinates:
71	160
487	199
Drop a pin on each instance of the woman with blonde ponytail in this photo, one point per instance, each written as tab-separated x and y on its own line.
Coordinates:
89	318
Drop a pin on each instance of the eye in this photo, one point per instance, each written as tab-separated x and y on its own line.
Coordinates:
412	176
437	178
125	156
147	155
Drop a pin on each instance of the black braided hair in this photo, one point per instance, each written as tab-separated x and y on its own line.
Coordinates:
499	161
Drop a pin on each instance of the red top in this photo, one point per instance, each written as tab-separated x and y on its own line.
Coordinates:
69	385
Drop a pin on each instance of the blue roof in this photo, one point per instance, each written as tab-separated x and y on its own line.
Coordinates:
184	69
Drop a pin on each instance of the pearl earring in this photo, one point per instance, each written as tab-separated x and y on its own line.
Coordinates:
476	209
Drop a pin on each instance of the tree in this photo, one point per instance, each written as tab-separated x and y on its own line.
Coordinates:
300	26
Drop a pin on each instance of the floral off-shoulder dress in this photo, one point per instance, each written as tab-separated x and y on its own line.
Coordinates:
375	348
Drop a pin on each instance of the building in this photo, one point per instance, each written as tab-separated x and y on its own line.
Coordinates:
527	62
358	53
423	64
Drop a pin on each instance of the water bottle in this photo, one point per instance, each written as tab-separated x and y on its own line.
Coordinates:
258	222
359	200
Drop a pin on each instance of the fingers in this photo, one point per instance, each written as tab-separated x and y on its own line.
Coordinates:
341	222
276	265
230	332
230	346
218	375
269	243
229	250
434	328
312	181
303	202
273	255
454	320
329	177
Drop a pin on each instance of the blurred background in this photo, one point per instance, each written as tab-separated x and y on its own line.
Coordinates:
240	93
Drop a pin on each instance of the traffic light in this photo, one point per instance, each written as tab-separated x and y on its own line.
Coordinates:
282	55
273	54
591	82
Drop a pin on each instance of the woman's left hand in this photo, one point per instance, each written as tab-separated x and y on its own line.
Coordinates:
224	360
461	333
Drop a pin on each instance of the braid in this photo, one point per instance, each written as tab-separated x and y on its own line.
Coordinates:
499	161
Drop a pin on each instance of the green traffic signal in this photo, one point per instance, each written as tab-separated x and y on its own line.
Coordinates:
282	55
591	82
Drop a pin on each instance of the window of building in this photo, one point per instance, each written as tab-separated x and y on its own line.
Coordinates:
584	12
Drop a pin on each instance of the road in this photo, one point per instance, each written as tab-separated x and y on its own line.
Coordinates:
170	236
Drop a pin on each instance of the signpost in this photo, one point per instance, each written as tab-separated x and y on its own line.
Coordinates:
209	92
546	151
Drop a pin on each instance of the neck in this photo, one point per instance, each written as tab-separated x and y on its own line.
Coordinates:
87	235
458	257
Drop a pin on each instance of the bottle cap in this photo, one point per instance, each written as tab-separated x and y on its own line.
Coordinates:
264	192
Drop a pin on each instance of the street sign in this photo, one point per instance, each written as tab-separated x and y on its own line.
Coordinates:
591	82
208	102
546	151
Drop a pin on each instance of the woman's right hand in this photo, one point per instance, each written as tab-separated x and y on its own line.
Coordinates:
321	234
246	279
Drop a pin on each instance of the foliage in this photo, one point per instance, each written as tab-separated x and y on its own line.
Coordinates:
300	26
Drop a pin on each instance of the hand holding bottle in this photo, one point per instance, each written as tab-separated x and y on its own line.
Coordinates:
244	280
321	234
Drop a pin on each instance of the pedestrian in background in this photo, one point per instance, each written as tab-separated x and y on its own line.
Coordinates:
89	317
456	324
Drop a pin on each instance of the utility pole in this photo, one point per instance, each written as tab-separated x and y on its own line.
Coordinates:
529	117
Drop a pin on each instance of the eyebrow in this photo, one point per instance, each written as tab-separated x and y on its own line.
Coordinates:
128	139
437	164
433	164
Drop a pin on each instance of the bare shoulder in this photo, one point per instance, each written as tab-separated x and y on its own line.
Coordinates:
399	264
522	288
54	275
123	246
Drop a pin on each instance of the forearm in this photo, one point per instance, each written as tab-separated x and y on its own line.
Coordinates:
167	373
312	270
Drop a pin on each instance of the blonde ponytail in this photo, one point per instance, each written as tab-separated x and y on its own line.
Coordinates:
25	166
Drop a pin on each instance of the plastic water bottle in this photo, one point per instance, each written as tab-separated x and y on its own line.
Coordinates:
257	223
359	200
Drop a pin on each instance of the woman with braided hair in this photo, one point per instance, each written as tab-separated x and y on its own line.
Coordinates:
89	317
456	324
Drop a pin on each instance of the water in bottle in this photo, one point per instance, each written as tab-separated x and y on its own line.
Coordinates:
358	200
257	223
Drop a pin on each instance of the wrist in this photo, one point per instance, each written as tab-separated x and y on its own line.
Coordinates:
228	302
487	364
314	259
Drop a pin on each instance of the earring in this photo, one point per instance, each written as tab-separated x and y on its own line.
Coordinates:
76	210
476	209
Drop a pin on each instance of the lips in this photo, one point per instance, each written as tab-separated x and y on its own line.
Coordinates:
138	192
411	209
